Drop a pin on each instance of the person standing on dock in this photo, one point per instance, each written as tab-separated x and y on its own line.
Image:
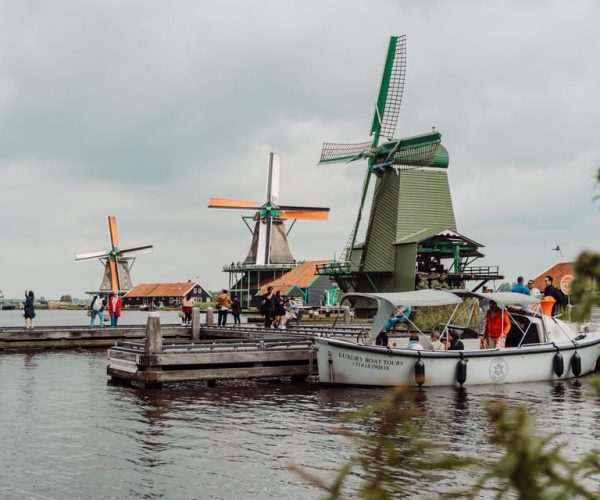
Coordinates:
114	309
97	309
267	307
278	310
29	309
187	305
236	310
223	303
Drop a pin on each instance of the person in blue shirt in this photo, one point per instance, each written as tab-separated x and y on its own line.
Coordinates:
520	287
401	315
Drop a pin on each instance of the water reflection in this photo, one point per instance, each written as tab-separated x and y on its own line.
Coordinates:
558	391
63	426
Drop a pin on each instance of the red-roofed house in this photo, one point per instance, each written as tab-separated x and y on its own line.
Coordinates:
302	282
169	294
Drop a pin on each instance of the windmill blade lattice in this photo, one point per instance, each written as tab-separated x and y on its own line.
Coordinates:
333	152
392	88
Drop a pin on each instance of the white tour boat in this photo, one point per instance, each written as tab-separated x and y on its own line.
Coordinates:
539	347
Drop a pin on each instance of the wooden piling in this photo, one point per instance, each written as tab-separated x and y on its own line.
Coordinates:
195	324
210	317
154	342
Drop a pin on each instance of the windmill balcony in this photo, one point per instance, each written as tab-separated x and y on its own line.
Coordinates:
240	266
335	269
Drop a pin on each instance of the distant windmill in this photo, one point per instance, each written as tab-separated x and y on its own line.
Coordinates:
269	238
117	262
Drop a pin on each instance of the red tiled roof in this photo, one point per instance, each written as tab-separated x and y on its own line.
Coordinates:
161	290
301	276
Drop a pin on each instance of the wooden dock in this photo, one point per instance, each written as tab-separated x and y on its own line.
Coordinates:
63	337
153	363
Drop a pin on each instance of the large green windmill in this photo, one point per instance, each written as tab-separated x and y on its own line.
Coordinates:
411	196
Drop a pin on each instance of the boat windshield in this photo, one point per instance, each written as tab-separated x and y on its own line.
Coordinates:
388	302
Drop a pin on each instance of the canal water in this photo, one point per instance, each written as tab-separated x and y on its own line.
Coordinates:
58	317
66	432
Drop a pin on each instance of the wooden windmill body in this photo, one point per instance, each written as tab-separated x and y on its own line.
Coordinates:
269	255
117	262
411	197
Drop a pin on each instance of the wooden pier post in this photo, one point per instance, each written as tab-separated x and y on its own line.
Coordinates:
347	317
154	344
210	317
195	324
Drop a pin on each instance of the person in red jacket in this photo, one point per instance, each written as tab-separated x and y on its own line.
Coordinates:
497	326
114	308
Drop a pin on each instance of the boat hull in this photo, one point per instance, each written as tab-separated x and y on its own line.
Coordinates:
343	362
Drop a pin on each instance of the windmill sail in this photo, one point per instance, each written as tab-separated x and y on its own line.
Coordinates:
273	177
333	152
391	90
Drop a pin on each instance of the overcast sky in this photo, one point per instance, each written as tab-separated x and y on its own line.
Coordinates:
145	109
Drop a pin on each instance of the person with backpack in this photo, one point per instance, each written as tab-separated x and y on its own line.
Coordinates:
97	310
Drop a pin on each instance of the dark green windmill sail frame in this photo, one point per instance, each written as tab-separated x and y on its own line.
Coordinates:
391	90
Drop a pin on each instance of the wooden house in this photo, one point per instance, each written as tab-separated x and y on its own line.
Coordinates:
164	294
302	282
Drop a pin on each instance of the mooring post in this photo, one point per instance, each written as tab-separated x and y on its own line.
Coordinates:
210	318
347	317
195	324
154	342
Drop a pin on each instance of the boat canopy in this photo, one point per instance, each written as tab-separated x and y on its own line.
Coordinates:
387	303
501	298
416	298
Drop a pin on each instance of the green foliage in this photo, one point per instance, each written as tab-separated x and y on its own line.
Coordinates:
393	455
587	271
66	298
504	287
530	466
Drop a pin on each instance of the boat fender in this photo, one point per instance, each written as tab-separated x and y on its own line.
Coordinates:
461	371
576	364
558	364
419	372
